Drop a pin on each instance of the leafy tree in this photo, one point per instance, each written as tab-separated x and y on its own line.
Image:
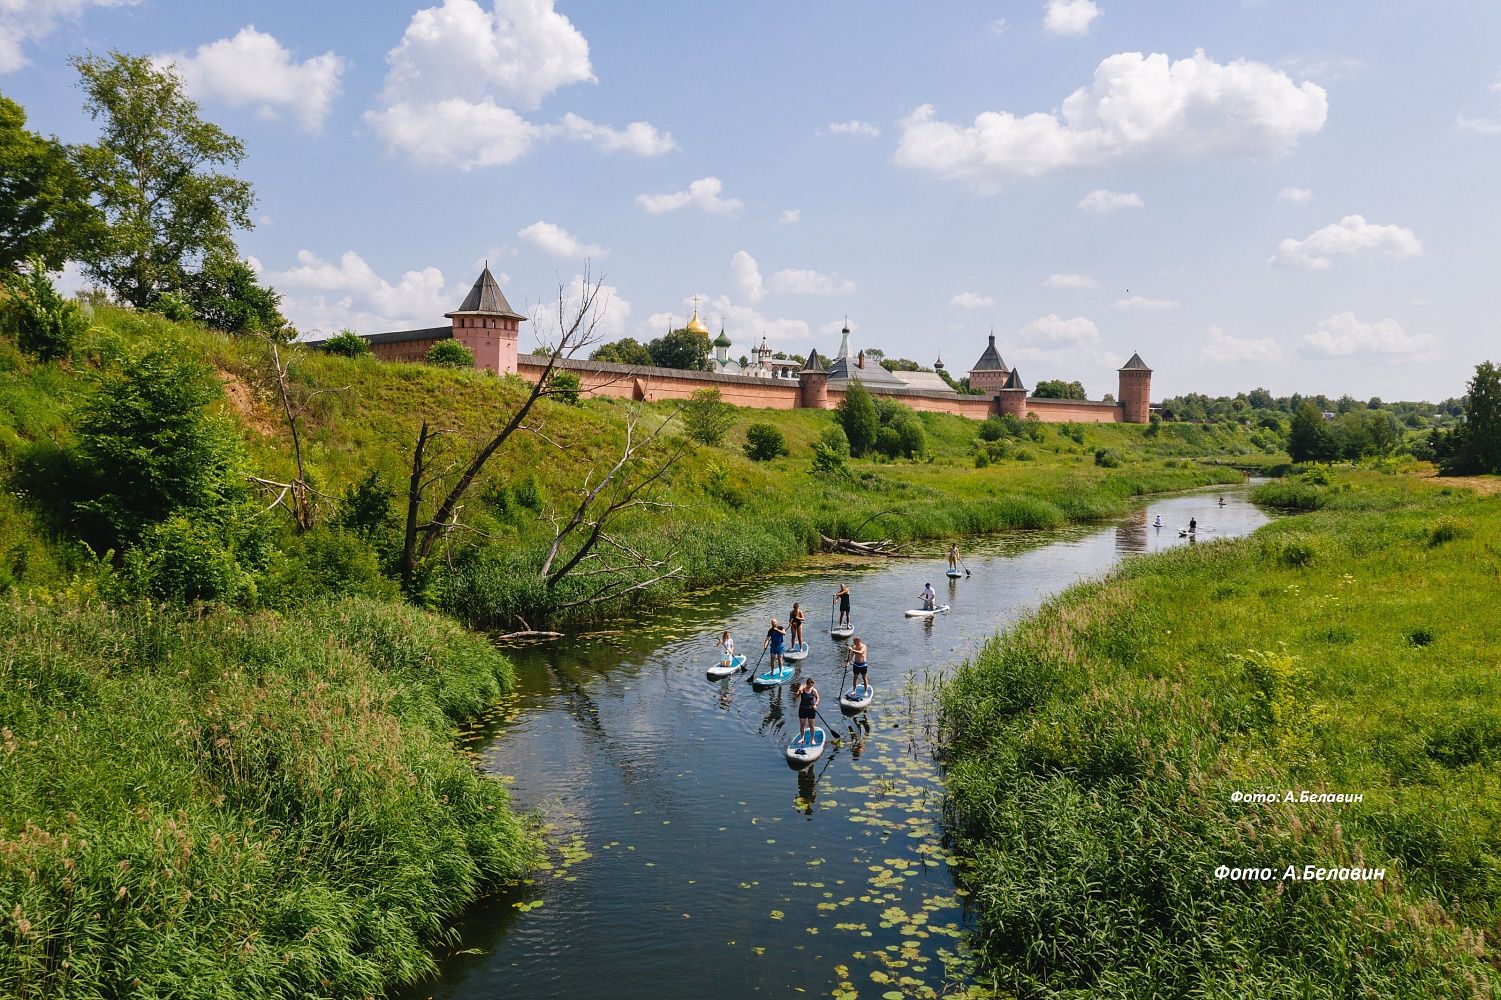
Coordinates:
565	388
172	306
43	322
450	353
859	418
1474	446
1055	388
154	177
911	438
225	294
625	351
707	417
763	442
365	507
152	446
683	349
1310	439
831	452
44	200
347	343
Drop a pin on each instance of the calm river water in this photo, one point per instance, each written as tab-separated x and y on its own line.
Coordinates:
687	859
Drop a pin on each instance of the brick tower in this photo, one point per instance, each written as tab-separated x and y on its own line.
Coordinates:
1012	397
989	373
1135	391
486	324
813	384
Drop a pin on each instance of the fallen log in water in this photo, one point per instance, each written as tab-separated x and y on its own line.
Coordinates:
886	547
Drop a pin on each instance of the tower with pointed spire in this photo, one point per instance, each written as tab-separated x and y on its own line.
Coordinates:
1011	398
988	374
486	324
1135	397
813	384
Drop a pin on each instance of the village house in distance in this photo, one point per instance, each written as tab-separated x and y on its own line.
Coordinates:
486	324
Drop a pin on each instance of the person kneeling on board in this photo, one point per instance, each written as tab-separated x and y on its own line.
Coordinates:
774	637
807	710
929	597
859	655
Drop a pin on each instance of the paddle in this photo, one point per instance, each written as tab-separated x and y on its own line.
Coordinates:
966	567
758	662
833	734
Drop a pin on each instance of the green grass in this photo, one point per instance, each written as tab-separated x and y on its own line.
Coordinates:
1094	750
230	805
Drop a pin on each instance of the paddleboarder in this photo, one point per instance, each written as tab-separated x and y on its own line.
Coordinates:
1157	521
1193	526
953	557
726	649
929	597
842	598
774	639
859	658
795	625
807	710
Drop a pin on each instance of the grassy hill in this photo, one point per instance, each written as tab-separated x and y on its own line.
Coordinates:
1097	751
730	516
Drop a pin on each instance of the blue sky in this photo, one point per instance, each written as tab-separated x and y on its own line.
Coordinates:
1289	194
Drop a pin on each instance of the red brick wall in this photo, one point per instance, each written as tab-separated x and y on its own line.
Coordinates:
405	350
1061	411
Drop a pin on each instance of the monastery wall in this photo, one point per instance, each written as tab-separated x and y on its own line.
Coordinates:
1078	411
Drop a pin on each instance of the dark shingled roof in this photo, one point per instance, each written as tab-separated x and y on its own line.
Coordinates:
1135	364
1013	381
815	363
990	361
400	336
485	298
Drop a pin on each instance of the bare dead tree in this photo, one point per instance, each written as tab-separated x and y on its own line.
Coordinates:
578	320
297	495
583	546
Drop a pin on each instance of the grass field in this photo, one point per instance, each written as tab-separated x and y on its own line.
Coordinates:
1095	751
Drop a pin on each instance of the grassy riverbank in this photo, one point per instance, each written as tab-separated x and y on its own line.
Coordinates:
239	805
1096	747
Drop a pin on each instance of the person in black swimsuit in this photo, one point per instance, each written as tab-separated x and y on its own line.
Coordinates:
842	597
807	710
859	660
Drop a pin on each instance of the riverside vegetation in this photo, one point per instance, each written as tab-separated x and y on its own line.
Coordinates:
1094	751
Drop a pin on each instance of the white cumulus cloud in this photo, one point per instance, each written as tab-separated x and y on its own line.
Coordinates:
1350	235
789	216
799	281
1069	17
1138	106
1480	126
324	296
1101	200
1054	331
1295	196
1145	304
23	21
702	194
1062	348
1223	349
747	275
559	242
464	134
1070	281
972	300
253	69
853	127
611	312
1344	335
640	138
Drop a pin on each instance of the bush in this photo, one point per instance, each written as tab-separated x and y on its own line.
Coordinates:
325	562
187	559
528	492
859	418
450	354
43	322
707	417
992	429
348	344
831	453
763	442
888	442
564	387
1107	458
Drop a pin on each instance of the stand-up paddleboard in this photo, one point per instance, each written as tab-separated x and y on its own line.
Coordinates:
796	653
842	631
919	613
720	670
953	574
857	699
1185	534
804	751
774	676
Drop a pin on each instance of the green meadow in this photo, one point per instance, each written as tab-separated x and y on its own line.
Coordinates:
1097	751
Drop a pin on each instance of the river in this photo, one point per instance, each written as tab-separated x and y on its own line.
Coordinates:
686	858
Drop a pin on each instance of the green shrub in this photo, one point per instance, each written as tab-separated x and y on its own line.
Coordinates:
347	344
707	417
44	323
1420	636
450	354
888	442
859	418
188	558
1107	458
325	563
1446	531
831	453
365	507
564	387
763	442
528	492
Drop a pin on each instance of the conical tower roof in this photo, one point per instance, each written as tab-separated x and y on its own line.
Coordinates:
990	359
1135	365
1014	381
814	363
486	299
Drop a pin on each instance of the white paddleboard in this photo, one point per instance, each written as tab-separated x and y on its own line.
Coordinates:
796	653
800	752
857	699
917	613
953	574
773	677
720	670
842	631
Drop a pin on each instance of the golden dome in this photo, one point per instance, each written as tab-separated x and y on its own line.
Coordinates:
696	325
